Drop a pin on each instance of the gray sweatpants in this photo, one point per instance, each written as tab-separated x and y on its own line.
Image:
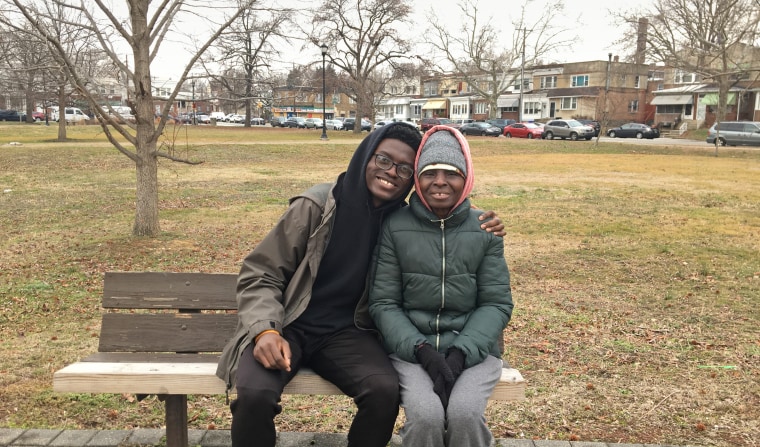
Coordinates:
463	424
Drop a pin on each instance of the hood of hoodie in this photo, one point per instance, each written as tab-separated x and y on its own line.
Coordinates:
341	278
469	179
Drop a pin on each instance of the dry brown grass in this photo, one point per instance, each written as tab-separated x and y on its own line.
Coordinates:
636	275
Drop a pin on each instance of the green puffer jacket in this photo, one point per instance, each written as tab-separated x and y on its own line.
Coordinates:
441	281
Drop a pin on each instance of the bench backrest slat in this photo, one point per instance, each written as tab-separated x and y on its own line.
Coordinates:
175	332
165	290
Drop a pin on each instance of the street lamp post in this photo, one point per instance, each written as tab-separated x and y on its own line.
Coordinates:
323	47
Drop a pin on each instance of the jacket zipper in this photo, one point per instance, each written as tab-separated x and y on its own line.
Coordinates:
443	285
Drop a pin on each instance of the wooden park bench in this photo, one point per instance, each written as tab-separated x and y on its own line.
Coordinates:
162	333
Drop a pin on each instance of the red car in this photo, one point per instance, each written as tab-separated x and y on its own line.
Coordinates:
523	130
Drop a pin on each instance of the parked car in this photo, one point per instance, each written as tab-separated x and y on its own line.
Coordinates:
735	133
593	123
228	117
523	130
632	130
461	122
334	124
480	128
71	114
10	115
38	116
571	129
501	123
298	122
258	121
278	121
202	118
380	124
313	123
427	123
349	124
218	116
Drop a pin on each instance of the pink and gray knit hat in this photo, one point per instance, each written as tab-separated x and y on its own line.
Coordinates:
444	147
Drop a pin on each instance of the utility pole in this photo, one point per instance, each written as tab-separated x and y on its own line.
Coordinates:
522	79
193	101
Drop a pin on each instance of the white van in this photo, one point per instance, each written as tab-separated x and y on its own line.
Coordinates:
72	115
219	116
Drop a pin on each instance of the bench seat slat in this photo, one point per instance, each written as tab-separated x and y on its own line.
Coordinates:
147	357
189	332
200	378
168	290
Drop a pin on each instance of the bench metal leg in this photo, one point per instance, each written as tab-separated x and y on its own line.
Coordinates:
176	420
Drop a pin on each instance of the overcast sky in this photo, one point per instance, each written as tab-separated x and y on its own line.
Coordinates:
588	21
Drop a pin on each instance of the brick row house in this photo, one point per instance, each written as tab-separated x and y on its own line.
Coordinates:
571	90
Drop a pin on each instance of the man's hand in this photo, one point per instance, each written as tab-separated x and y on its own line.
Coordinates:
493	225
272	351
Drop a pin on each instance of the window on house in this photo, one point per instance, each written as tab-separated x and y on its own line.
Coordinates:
633	106
569	103
683	77
532	107
637	82
510	109
579	81
399	109
417	110
480	108
549	82
670	108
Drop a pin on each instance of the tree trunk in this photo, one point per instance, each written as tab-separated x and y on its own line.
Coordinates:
61	114
146	203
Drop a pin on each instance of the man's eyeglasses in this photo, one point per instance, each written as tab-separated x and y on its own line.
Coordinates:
402	170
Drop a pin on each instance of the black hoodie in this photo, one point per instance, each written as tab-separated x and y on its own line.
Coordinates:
342	274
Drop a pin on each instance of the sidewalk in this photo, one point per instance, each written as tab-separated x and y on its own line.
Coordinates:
16	437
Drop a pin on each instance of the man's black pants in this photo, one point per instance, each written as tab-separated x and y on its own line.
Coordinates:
352	359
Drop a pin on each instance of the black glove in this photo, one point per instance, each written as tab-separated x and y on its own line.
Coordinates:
435	365
455	360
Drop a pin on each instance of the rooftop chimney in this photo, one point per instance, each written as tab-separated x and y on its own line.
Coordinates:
641	41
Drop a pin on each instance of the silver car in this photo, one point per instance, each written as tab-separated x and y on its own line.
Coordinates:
735	133
572	129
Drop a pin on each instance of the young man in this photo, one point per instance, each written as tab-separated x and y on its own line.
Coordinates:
441	307
302	297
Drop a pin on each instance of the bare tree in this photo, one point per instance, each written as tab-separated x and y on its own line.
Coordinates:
715	39
143	27
23	58
474	52
34	61
244	52
363	37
